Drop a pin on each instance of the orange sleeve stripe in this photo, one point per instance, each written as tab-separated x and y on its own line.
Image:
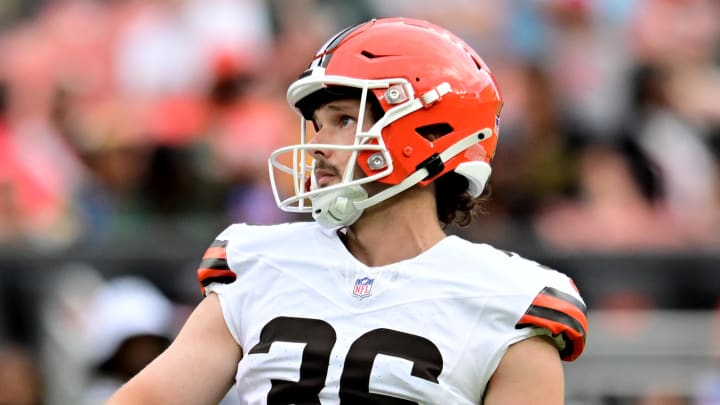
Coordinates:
551	315
219	252
561	305
206	272
214	266
207	276
575	340
562	314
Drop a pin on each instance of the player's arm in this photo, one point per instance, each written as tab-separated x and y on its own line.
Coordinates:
198	367
530	373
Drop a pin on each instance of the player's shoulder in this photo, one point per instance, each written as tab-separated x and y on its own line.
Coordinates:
553	301
515	270
259	235
241	242
529	297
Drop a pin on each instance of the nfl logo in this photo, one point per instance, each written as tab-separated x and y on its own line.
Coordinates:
363	287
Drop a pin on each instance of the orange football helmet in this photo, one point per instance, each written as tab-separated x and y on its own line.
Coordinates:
422	76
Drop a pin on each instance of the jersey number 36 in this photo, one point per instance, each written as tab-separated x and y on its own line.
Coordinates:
319	338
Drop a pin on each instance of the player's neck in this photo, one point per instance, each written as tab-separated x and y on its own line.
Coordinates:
396	230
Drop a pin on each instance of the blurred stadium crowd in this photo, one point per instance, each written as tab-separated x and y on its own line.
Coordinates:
132	119
118	116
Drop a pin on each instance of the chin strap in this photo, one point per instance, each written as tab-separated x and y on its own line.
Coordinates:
344	206
422	173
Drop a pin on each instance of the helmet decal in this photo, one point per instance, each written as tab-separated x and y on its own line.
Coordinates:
323	56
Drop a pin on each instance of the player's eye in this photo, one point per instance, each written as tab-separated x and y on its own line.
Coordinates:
346	121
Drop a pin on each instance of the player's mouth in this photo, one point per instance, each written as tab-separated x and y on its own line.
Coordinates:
324	177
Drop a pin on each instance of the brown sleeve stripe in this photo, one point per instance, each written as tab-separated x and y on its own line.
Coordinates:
574	309
555	319
207	276
561	314
214	267
219	243
213	263
574	341
554	292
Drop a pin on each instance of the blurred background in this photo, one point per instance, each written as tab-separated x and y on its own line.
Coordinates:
133	131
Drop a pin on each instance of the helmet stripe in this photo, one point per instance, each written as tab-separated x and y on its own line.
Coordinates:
322	58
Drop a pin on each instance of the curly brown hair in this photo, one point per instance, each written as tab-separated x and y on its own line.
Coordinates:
454	203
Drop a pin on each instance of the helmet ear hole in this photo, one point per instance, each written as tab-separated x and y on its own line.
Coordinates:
434	131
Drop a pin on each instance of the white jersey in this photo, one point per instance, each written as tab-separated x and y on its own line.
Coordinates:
317	326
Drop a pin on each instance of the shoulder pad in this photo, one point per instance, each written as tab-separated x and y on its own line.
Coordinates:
561	314
214	266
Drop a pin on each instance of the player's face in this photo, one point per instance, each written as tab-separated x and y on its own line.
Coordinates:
335	124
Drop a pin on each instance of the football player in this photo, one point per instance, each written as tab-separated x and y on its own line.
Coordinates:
373	302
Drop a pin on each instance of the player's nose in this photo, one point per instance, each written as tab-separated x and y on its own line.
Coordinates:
316	142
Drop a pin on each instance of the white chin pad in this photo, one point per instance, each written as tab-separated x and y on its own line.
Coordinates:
337	208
